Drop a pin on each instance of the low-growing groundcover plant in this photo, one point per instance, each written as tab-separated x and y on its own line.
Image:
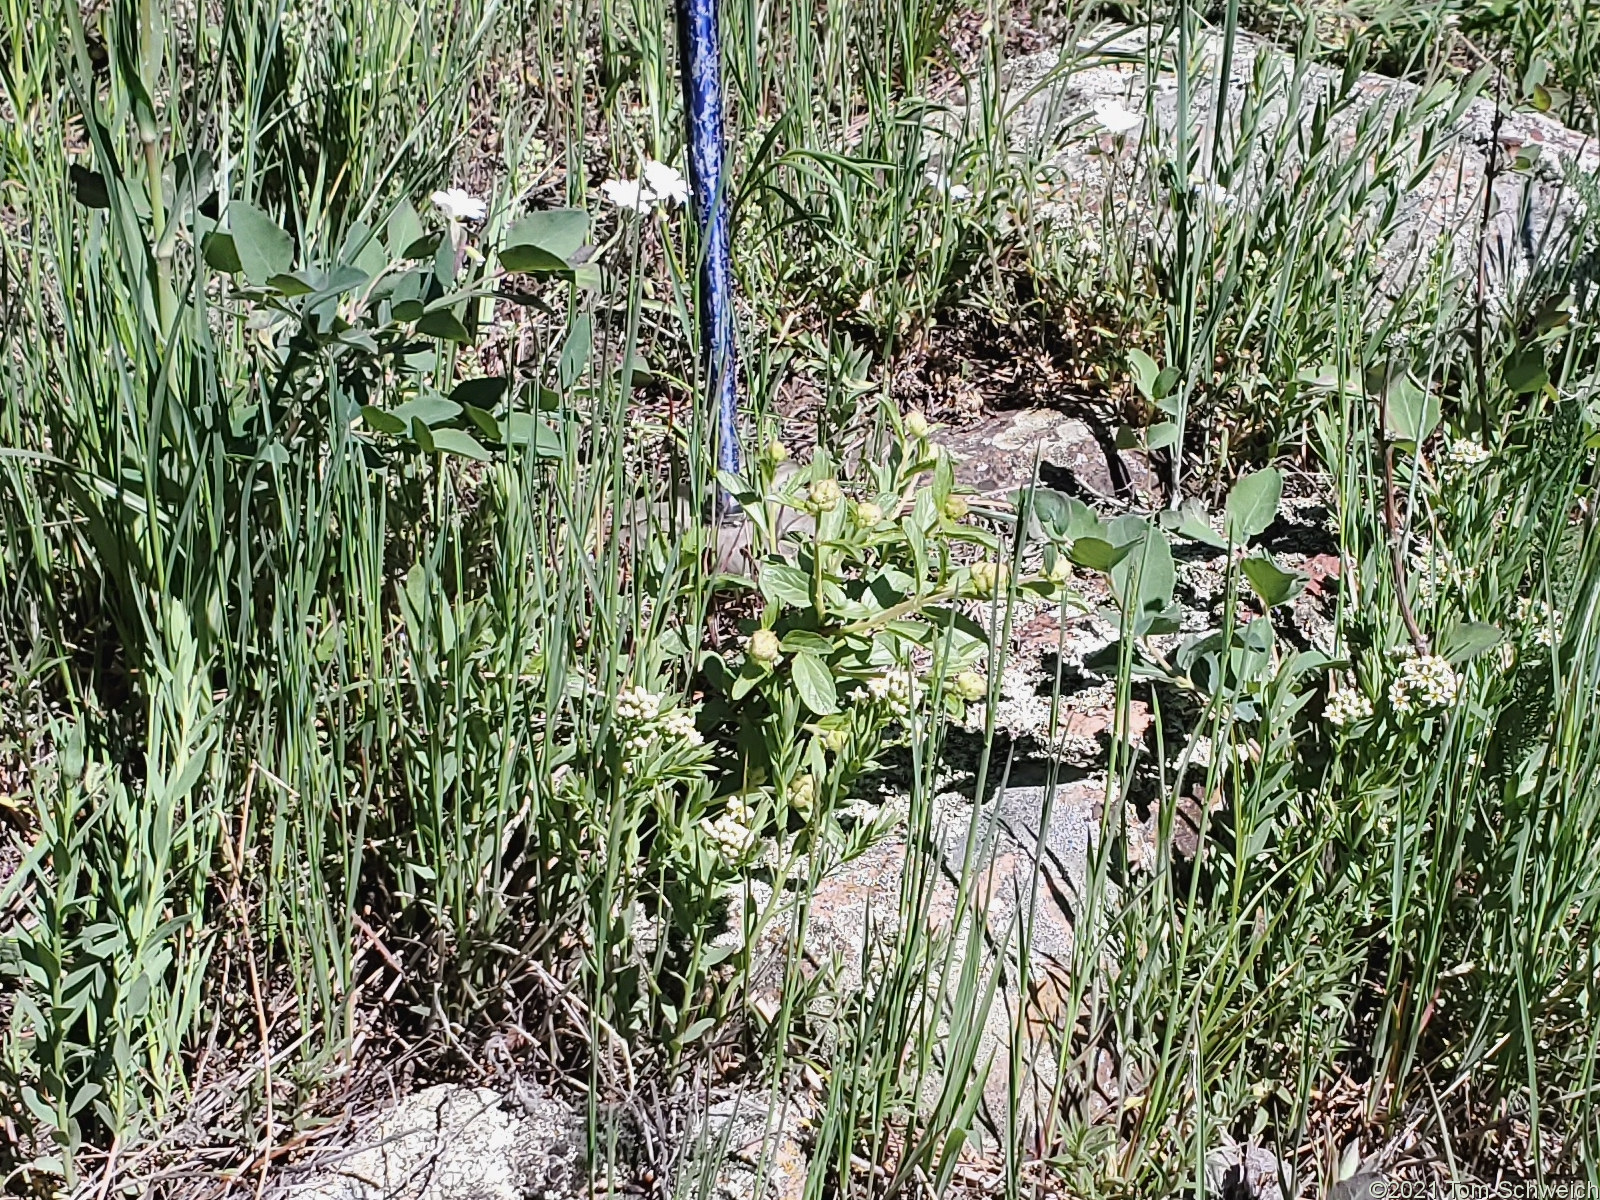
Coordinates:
374	689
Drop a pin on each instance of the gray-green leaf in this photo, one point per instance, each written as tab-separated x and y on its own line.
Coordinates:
263	247
1252	504
1271	582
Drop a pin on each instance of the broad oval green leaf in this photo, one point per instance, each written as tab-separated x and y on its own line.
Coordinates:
1413	411
545	241
263	246
1271	582
1252	504
443	324
459	441
814	682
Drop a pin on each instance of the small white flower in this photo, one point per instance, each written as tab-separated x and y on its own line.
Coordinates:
661	185
628	193
1114	118
895	691
940	182
1425	684
665	183
1543	623
1464	452
1213	193
458	205
1346	707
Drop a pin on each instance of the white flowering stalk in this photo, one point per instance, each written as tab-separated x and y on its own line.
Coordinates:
678	725
803	793
1426	684
1543	623
1347	707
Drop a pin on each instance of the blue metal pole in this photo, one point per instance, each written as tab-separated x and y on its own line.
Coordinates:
701	49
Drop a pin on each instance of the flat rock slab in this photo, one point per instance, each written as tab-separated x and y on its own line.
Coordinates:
998	455
450	1142
1052	101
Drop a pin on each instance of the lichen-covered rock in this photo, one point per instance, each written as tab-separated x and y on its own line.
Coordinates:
457	1143
754	1144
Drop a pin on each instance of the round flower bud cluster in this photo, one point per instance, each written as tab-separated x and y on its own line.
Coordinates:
835	740
989	578
678	724
894	691
916	425
1346	707
803	793
970	686
637	704
777	452
733	831
868	514
824	495
1546	622
955	506
1425	684
1464	452
762	646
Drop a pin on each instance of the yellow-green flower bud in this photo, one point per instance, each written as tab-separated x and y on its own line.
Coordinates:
1060	570
777	452
955	506
969	685
763	647
868	514
916	424
802	793
989	579
835	740
825	495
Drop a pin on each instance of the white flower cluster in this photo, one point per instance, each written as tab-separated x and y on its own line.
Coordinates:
733	831
637	704
640	710
661	185
1546	623
894	691
678	724
1346	707
1464	452
1426	684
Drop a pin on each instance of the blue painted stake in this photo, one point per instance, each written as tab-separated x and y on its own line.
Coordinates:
701	53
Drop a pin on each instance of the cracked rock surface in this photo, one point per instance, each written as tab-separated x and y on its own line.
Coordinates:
450	1142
